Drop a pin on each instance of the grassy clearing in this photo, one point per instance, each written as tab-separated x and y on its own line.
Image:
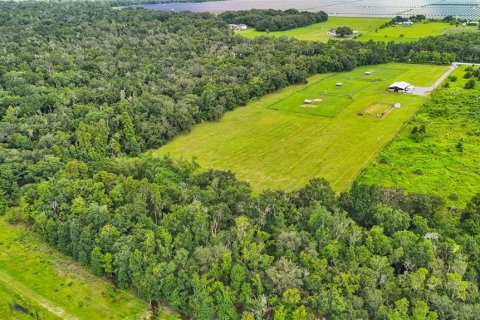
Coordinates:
415	32
318	31
9	297
435	164
369	29
284	149
45	282
331	94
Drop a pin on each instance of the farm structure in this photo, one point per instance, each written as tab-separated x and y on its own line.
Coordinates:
405	23
238	27
400	86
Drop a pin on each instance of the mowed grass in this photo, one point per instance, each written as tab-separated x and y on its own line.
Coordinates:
44	281
367	27
415	32
434	165
318	31
8	298
283	149
333	93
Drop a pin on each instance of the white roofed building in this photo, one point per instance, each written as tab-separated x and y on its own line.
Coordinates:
400	86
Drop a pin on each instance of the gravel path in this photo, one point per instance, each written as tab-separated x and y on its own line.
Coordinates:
425	91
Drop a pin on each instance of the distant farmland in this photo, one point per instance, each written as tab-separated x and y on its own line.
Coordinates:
277	142
368	29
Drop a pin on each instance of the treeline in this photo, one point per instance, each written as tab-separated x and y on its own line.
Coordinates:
274	20
82	81
399	19
202	243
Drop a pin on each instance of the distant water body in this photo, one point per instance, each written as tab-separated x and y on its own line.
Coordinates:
436	9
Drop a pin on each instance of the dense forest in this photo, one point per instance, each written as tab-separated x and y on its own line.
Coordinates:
83	87
202	243
274	20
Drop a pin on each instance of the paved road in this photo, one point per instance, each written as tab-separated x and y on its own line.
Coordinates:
425	91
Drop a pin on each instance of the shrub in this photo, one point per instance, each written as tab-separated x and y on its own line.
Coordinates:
459	146
470	84
418	172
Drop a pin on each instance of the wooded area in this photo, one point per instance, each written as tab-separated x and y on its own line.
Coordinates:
274	20
82	87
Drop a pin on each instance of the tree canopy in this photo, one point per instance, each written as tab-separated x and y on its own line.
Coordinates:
85	90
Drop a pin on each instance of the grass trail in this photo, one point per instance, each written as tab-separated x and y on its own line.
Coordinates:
33	273
17	287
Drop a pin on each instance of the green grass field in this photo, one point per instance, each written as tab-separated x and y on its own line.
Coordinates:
40	279
415	32
368	28
318	31
8	297
284	149
331	94
435	165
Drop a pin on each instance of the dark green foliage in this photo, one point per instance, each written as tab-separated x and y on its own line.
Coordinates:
273	20
400	19
203	244
343	31
3	202
418	133
459	146
83	86
470	84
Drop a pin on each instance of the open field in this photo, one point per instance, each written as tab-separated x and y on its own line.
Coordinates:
330	95
415	32
283	149
318	31
369	29
436	164
8	297
43	281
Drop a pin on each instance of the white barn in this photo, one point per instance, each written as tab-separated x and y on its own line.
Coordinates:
400	86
